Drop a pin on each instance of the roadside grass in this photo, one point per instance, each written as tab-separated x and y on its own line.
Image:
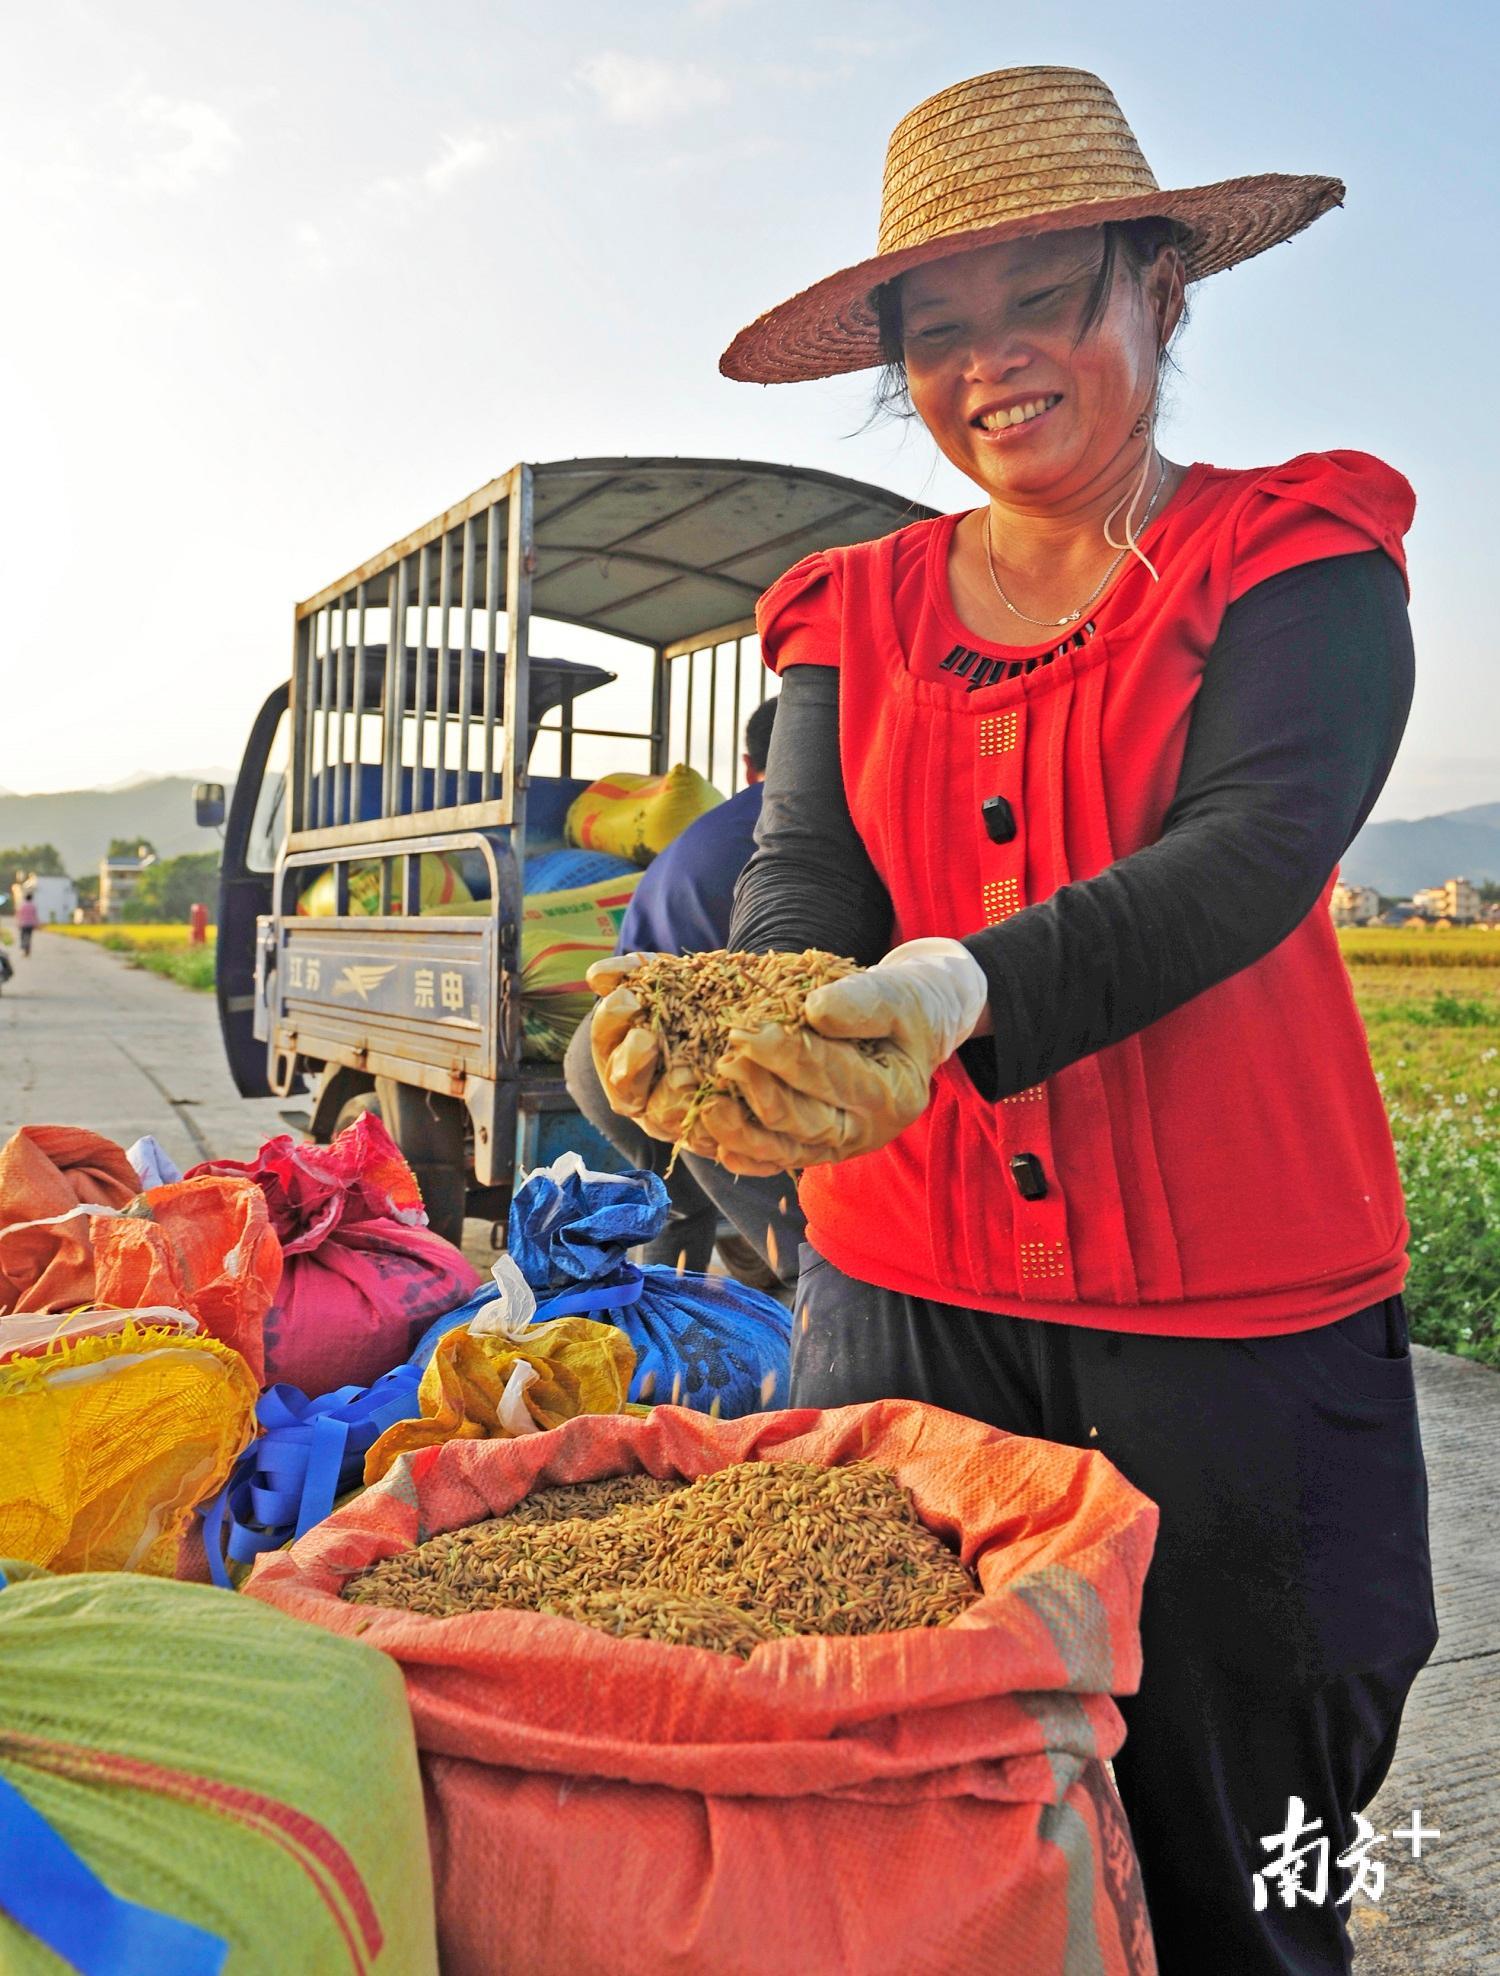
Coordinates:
164	950
1435	1044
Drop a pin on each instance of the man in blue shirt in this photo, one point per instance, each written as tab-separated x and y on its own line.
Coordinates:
682	906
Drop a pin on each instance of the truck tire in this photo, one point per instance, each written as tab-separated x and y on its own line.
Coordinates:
353	1108
430	1132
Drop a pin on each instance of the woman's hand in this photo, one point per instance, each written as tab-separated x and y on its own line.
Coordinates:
810	1095
801	1096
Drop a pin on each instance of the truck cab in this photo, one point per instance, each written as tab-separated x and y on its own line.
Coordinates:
394	790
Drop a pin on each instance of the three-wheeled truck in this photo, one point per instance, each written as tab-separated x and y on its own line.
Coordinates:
410	741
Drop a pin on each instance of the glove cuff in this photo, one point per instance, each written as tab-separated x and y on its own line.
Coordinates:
951	983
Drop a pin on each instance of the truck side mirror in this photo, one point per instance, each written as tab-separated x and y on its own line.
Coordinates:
208	804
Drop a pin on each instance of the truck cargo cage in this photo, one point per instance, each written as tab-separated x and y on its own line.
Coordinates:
415	705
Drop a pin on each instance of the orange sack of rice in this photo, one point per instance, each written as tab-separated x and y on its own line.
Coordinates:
920	1801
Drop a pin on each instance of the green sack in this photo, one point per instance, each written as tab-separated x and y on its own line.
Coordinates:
215	1760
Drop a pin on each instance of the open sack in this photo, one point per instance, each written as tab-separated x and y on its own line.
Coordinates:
915	1802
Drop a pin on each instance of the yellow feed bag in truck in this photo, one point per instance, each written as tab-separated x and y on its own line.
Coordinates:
443	889
636	816
562	935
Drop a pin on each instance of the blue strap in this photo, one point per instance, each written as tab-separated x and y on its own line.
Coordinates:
308	1453
625	1289
56	1896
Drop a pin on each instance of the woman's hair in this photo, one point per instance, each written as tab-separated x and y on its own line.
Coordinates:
1136	243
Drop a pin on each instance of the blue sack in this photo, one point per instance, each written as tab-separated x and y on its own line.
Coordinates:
561	871
699	1340
570	1226
704	1338
435	1333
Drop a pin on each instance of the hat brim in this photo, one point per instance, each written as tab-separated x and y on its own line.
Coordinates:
830	328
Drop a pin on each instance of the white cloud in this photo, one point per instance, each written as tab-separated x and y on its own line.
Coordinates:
712	158
638	89
457	158
312	247
870	48
184	142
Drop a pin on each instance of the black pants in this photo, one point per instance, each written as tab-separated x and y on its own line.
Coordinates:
1289	1602
765	1211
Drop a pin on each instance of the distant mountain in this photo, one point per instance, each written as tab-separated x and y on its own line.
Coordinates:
1395	857
1398	857
1480	813
80	822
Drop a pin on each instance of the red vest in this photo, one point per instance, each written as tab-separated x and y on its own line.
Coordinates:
1229	1170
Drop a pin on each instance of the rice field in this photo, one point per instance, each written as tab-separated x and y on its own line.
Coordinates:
1431	1008
1421	947
164	950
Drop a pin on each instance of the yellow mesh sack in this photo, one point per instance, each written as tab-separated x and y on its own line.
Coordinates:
636	816
487	1387
108	1443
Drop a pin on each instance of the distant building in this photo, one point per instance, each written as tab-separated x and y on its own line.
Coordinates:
54	898
1456	900
118	878
1354	905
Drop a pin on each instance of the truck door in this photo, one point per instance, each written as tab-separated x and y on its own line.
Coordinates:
253	833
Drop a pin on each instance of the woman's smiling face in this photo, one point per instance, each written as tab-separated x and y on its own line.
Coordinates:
1030	409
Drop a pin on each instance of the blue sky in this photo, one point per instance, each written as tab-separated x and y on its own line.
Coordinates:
285	280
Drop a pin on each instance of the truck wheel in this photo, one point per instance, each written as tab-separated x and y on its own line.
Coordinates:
353	1108
430	1132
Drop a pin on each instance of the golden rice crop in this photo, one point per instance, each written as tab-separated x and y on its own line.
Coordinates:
691	1002
1432	946
126	937
759	1551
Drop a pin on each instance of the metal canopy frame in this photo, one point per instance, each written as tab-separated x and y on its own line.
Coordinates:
668	554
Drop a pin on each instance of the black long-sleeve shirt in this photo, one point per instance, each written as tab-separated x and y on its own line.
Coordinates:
1303	702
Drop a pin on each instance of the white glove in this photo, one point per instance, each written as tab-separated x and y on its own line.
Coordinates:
928	993
808	1096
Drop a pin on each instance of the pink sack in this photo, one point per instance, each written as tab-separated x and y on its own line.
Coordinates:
364	1274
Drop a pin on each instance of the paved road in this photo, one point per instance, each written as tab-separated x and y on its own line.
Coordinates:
1442	1917
87	1040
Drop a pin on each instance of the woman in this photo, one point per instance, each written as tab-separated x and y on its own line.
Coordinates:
27	917
1083	760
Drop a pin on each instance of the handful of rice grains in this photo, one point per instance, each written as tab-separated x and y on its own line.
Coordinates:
758	1551
683	1008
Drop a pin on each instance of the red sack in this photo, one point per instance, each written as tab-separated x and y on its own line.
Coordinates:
928	1801
76	1231
364	1274
48	1173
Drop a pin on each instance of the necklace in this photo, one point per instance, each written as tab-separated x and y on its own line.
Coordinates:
1072	617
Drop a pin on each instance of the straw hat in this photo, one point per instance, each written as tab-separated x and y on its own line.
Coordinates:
1002	156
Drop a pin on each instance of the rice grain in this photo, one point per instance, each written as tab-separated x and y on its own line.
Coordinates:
758	1551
